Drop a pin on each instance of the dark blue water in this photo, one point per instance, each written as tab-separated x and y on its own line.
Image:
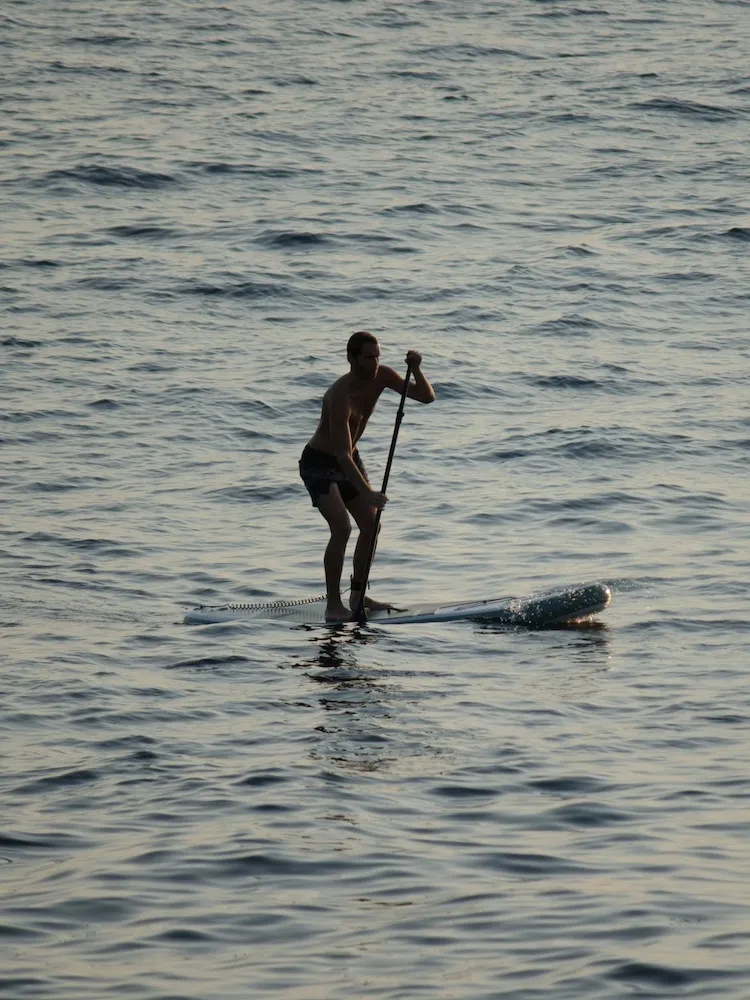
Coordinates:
199	204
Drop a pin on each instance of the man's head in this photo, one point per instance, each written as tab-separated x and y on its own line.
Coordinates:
363	354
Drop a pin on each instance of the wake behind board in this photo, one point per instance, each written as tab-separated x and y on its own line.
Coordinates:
550	608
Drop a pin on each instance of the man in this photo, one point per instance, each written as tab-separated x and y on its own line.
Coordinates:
333	472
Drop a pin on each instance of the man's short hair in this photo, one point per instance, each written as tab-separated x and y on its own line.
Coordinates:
358	340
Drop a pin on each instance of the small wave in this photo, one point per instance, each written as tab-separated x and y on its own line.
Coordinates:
290	240
726	719
566	382
572	784
465	390
461	791
256	406
239	290
467	227
414	74
184	935
467	318
87	69
104	40
466	51
78	544
295	81
578	116
740	233
530	865
567	325
687	276
695	345
103	176
587	814
68	779
208	661
274	866
125	742
508	454
253	494
580	250
246	169
104	404
152	367
378	246
25	417
101	284
151	232
42	842
662	977
39	263
581	505
690	109
19	342
14	933
412	208
41	487
564	12
262	780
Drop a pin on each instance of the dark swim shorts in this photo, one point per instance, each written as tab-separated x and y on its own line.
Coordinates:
318	470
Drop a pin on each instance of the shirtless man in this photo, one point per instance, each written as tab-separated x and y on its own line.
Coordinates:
333	472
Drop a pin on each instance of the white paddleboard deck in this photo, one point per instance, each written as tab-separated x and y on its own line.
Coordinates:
555	607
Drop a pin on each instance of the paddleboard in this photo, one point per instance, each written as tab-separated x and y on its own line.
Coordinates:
554	607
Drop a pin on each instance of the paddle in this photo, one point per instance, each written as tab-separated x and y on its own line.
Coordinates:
359	614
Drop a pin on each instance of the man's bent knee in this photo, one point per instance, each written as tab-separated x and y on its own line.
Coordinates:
340	533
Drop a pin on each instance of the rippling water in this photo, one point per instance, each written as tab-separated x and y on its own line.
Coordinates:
199	204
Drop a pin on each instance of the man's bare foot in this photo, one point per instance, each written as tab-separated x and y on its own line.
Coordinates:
370	603
337	613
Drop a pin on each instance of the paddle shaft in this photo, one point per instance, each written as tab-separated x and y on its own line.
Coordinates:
359	614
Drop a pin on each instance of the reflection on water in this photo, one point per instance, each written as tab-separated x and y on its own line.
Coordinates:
373	719
358	704
591	644
585	625
335	647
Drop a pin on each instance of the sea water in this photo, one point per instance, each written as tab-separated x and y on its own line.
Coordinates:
199	203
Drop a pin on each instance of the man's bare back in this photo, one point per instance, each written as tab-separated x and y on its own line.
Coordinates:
332	470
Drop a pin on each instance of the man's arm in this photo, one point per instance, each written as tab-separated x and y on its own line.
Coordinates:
420	389
341	440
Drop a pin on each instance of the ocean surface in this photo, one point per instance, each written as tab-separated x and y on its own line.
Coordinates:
199	203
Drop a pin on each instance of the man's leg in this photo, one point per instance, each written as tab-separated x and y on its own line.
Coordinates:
331	506
364	514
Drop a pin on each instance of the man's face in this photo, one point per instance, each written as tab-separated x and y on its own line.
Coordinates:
366	363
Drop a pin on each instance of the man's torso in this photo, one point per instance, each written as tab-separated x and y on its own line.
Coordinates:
360	402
